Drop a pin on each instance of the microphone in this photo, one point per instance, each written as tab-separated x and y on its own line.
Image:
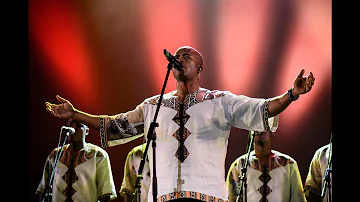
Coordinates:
70	130
176	63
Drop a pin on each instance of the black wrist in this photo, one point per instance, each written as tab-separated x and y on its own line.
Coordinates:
291	96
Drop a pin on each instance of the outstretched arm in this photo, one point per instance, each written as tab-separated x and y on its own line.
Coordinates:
302	85
66	110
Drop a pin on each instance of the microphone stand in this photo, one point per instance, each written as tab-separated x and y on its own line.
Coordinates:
327	175
151	136
47	195
244	169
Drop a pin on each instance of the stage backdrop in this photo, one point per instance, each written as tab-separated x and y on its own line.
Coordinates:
107	56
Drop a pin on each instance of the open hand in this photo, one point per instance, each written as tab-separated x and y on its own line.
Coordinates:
64	110
302	84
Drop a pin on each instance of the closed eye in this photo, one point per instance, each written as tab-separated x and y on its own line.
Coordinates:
185	56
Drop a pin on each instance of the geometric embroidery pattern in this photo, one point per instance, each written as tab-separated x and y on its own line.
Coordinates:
70	176
66	177
189	194
264	189
181	118
265	176
261	190
69	194
71	161
181	134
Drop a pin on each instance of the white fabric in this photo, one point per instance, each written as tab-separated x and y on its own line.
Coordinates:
315	178
131	168
93	175
285	184
211	116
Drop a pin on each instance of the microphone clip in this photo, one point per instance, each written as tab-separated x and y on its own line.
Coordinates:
172	60
69	130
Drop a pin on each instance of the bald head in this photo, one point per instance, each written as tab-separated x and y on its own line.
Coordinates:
192	51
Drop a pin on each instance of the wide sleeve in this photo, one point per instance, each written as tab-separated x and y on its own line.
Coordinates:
249	113
104	177
122	128
130	175
296	186
232	180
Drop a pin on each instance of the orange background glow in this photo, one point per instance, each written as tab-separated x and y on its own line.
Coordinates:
107	56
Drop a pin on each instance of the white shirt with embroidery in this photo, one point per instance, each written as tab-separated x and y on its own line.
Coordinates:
191	138
280	183
315	178
91	177
131	168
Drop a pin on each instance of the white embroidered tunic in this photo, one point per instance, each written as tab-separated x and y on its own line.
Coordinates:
191	138
131	168
89	174
280	183
315	178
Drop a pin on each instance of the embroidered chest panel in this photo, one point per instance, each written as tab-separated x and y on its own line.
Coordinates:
181	117
274	162
71	161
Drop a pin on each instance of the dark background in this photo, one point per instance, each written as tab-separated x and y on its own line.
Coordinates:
107	56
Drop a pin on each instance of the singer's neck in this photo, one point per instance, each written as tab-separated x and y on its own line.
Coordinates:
185	88
78	145
263	152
